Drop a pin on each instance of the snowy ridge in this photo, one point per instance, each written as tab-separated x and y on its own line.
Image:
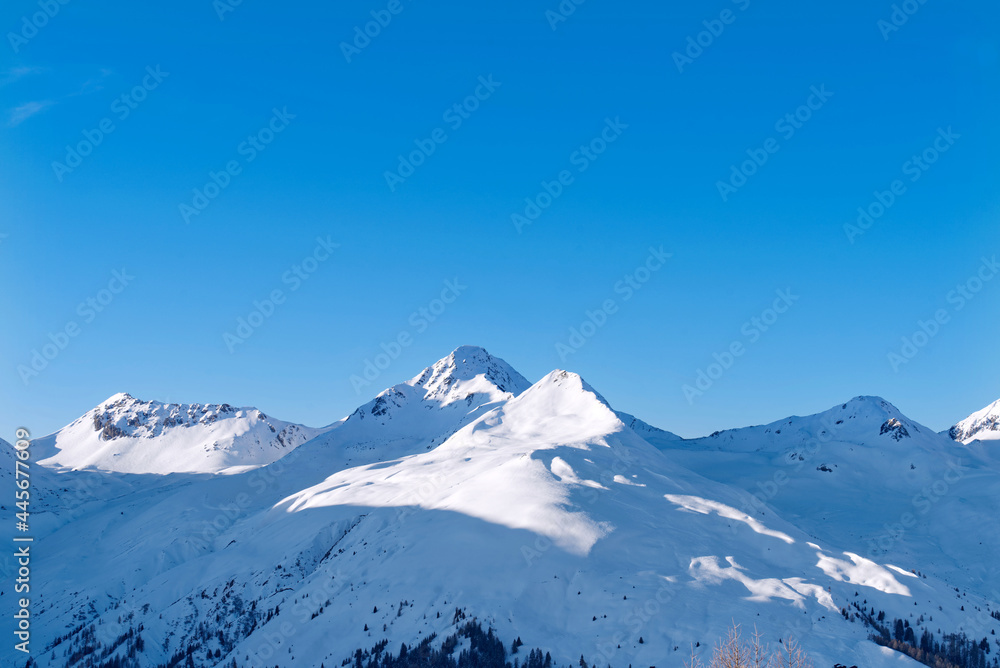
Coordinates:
655	435
129	435
865	419
983	425
420	413
854	474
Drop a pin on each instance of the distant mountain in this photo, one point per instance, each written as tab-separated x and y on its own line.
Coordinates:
983	425
869	479
129	435
864	419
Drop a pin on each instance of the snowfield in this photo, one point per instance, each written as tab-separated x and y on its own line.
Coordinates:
535	508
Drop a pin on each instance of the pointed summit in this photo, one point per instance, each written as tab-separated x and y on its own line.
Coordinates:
561	385
422	412
474	369
119	398
562	398
468	378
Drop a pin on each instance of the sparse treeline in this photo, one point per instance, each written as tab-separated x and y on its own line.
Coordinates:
939	650
485	650
207	644
954	650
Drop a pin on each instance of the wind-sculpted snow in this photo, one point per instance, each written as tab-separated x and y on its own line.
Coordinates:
709	570
705	507
863	572
486	469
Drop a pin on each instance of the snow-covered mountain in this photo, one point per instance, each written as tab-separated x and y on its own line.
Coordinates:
542	512
129	435
983	425
869	479
418	414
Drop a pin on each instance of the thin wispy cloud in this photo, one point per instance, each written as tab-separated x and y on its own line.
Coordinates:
92	85
16	73
20	114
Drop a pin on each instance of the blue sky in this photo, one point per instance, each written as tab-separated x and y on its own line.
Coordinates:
164	99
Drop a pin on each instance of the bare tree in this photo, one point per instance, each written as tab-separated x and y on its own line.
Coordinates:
792	656
695	662
733	652
758	651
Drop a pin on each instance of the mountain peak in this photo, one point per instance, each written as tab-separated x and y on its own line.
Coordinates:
983	425
130	435
568	379
563	392
874	401
432	405
123	415
860	418
467	364
115	399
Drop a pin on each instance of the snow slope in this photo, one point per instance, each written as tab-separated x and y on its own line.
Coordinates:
983	425
870	480
42	481
654	435
418	414
538	509
7	458
132	436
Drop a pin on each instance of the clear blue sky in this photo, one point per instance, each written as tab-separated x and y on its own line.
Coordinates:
323	174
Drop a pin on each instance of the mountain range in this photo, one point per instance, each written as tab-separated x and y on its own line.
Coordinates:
177	534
